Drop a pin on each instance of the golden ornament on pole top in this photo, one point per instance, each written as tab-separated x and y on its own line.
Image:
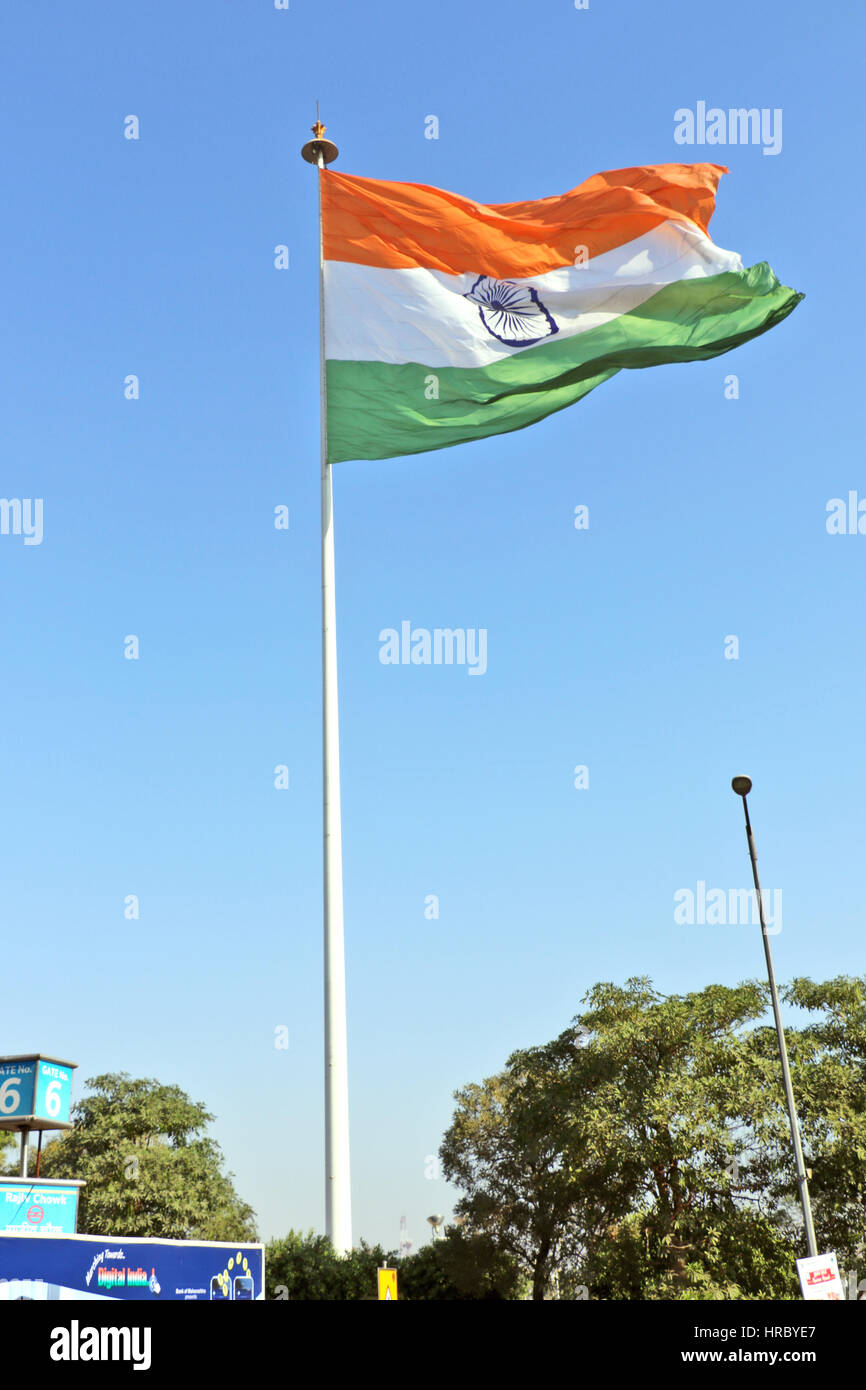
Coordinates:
320	146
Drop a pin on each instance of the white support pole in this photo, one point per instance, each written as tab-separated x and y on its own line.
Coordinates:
338	1195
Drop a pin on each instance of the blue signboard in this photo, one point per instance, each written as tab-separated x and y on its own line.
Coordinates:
53	1090
33	1208
84	1267
37	1090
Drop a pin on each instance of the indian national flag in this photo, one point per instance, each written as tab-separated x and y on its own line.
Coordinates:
448	320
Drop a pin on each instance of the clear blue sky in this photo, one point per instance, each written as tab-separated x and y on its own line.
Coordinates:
606	648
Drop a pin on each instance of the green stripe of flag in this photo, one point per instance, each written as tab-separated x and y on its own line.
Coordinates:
379	410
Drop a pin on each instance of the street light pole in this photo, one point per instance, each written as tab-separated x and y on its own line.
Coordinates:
742	786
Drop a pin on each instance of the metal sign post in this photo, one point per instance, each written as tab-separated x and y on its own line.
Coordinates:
35	1094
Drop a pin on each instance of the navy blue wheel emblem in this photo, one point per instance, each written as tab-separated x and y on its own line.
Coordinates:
511	313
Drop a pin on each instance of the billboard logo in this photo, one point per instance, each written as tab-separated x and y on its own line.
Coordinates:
110	1278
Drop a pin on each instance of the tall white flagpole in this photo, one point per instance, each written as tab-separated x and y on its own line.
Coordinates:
338	1194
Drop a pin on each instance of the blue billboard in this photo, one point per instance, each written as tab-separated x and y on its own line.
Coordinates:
120	1267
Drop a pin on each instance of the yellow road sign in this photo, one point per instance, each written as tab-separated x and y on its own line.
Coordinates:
387	1284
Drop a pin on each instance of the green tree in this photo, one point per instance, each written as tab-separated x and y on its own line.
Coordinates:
422	1275
299	1266
306	1267
358	1267
828	1066
149	1168
462	1265
504	1148
644	1153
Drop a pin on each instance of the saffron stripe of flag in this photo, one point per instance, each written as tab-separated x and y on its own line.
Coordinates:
447	320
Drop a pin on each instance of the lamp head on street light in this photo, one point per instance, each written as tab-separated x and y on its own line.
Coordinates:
741	785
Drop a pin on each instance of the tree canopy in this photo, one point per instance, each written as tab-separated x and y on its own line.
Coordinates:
645	1152
149	1168
305	1267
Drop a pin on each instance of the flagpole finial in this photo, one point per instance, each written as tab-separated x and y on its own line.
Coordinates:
319	150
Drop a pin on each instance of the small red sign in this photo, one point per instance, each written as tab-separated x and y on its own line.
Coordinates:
35	1215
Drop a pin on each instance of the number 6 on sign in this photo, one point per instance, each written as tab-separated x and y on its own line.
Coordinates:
9	1097
52	1099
